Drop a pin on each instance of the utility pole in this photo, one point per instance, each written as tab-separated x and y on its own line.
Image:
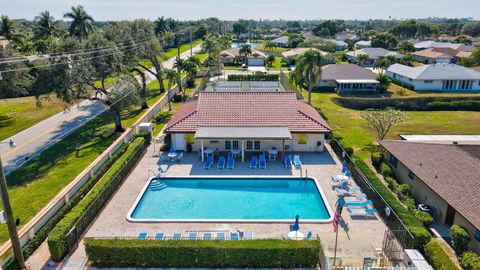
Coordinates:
12	228
179	71
191	43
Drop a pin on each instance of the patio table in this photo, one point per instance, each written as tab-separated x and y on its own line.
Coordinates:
235	152
172	156
272	152
296	235
342	177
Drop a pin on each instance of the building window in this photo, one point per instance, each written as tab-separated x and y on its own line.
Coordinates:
249	145
257	145
189	139
228	145
302	139
411	175
214	142
393	161
428	81
235	145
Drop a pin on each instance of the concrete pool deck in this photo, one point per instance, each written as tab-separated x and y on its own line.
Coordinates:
357	238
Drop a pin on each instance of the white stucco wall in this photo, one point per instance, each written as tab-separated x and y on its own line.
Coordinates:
435	85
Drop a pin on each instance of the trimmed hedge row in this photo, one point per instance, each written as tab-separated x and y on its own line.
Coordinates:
42	234
87	209
265	253
419	232
431	103
402	84
253	77
438	257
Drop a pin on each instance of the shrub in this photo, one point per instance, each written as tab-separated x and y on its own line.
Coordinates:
424	217
87	209
348	149
377	159
404	190
402	84
460	238
470	260
253	77
438	257
391	183
266	253
411	204
385	170
464	105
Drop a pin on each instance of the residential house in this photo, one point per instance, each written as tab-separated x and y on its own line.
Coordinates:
232	55
292	54
363	44
437	77
444	176
281	42
373	55
249	122
348	78
430	44
477	69
340	45
346	37
442	54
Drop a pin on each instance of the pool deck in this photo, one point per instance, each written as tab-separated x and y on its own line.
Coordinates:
357	238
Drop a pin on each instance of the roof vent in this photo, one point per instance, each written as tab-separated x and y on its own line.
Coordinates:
455	142
420	164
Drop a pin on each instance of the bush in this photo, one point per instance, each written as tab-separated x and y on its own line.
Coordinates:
402	84
460	238
470	260
424	217
87	209
391	183
385	170
464	105
253	77
377	159
404	190
438	257
411	204
266	253
348	149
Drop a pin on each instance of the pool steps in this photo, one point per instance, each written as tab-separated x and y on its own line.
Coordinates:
156	185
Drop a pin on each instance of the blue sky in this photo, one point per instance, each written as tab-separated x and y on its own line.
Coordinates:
251	9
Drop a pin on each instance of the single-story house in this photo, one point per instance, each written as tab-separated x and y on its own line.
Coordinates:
363	44
437	77
231	55
340	45
477	69
440	55
294	53
373	55
430	44
443	176
281	42
346	37
348	78
249	122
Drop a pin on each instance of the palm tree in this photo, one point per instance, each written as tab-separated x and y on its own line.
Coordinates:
362	58
269	46
46	27
309	69
245	50
211	45
81	25
8	31
171	76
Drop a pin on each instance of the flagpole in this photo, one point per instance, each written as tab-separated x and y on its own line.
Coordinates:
335	252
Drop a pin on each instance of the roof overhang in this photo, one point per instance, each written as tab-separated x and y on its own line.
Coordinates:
357	81
265	133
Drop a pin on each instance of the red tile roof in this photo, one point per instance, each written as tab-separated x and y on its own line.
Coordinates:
248	109
451	171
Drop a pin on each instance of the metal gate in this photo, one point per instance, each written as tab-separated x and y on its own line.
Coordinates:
392	248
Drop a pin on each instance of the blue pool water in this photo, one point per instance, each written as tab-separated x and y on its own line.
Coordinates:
252	44
230	199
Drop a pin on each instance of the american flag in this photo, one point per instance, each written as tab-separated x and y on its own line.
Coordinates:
338	213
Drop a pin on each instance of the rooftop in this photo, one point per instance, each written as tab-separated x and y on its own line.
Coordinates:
346	72
282	39
435	72
298	51
447	52
449	170
431	44
235	52
375	53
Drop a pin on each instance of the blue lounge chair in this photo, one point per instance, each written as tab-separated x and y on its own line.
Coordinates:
230	162
296	161
159	236
221	162
142	235
253	162
288	161
207	236
347	192
363	204
309	235
361	211
262	162
177	236
234	236
359	198
208	162
192	236
220	236
248	235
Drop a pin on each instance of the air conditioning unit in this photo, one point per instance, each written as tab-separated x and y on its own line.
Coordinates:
413	258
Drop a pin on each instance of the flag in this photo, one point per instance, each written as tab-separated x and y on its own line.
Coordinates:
338	213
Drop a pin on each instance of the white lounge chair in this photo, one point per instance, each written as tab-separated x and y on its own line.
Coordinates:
361	211
358	198
363	204
347	192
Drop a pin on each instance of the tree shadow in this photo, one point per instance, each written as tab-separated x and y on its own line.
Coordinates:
5	120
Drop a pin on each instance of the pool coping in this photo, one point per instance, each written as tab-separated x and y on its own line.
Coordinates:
315	221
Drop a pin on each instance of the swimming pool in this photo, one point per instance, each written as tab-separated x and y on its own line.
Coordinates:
227	199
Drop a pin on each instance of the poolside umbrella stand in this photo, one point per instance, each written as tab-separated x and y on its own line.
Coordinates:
295	226
344	166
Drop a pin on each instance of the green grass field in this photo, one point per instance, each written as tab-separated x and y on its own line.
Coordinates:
17	114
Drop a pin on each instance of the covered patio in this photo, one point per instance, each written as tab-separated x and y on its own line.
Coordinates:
357	84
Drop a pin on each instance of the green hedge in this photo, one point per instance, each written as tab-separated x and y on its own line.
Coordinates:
438	257
419	232
470	260
265	253
87	209
402	84
42	234
464	105
253	77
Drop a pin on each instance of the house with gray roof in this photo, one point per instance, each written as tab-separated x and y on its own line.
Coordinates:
281	42
444	176
363	44
232	55
437	77
430	44
348	78
373	55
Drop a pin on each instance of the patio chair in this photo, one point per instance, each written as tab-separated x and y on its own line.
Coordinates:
192	236
234	236
221	162
248	235
297	162
339	184
253	162
230	161
208	162
309	235
177	236
207	236
142	235
180	157
159	236
288	161
361	211
262	162
358	198
346	192
216	152
220	236
363	204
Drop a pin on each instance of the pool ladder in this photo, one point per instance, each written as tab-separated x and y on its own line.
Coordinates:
301	175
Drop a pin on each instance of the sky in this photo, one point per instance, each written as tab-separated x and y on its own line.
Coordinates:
102	10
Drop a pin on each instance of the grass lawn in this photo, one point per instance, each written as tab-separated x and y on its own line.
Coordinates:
261	47
17	114
172	52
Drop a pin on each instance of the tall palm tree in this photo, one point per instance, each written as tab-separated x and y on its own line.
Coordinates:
308	69
269	46
245	50
46	27
171	76
9	32
82	23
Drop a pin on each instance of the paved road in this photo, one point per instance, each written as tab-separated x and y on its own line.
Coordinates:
39	137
